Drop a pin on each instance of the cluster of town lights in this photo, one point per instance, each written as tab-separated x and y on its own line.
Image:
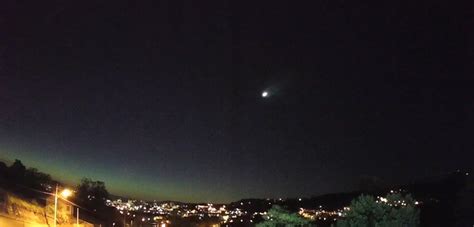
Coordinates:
228	215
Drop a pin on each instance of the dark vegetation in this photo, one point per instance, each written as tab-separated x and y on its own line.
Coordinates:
396	210
446	200
27	182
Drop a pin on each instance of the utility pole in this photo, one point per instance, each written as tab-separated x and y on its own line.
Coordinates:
55	206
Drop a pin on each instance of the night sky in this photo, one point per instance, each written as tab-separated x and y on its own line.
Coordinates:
162	99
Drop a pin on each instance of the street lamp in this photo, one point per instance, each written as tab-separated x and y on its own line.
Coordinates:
64	194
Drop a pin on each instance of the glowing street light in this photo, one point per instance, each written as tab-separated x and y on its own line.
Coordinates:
64	194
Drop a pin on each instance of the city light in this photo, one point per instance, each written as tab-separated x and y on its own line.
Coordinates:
231	213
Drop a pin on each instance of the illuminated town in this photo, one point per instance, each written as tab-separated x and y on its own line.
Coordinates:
242	212
155	212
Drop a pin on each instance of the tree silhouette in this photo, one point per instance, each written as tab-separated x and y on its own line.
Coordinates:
92	194
37	180
395	210
3	173
17	171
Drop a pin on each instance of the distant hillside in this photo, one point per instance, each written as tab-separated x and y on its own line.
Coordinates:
444	200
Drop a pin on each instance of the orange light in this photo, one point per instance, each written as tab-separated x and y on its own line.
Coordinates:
66	193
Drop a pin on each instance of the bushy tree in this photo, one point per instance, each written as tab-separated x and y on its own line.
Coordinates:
17	171
92	194
395	210
25	182
277	216
3	173
37	180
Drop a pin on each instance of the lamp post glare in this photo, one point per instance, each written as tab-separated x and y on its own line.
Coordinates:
64	194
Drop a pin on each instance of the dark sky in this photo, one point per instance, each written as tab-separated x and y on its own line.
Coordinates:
162	99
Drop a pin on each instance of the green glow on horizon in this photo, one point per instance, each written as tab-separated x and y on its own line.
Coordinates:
131	185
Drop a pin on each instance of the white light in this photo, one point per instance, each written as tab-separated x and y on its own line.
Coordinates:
264	94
